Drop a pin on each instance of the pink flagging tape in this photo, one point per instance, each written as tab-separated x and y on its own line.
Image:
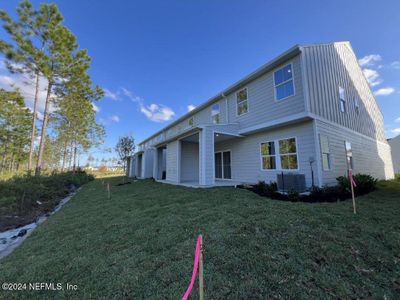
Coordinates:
195	266
352	181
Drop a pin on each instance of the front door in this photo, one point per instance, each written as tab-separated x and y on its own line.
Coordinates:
223	165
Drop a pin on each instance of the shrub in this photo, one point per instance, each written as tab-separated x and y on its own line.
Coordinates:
293	195
397	177
364	183
264	189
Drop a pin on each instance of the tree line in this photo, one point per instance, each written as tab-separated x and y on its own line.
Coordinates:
42	49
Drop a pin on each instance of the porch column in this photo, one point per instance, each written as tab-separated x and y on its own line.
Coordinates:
155	163
206	157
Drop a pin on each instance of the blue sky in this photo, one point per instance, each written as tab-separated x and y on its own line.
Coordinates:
157	58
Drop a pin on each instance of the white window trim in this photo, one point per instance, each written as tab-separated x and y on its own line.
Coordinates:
342	100
216	114
278	155
247	100
322	153
263	155
292	79
222	157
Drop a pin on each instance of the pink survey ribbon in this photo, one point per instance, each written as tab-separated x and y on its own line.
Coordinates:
352	181
195	266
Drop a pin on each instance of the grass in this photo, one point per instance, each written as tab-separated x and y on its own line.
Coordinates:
140	245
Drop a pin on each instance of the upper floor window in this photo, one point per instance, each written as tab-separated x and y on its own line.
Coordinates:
191	122
357	105
283	80
342	98
241	102
215	112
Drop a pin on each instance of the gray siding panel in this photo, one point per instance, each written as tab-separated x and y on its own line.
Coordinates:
329	66
189	161
172	161
246	158
369	156
395	149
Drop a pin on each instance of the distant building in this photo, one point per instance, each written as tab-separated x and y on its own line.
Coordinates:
395	147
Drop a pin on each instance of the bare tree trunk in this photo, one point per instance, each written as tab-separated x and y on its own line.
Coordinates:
33	133
74	167
64	155
43	135
70	156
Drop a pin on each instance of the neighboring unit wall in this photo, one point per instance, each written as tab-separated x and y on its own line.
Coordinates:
189	161
395	147
148	163
369	156
246	157
329	66
173	153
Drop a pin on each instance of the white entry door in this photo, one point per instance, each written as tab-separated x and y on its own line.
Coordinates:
223	165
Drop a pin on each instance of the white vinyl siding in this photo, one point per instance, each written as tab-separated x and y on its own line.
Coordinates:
325	152
283	81
242	102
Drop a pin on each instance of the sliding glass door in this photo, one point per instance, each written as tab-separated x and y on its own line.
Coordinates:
223	165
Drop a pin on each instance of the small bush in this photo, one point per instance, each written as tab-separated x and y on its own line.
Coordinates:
293	195
397	177
364	183
264	189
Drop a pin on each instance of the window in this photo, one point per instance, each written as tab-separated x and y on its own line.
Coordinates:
349	154
268	156
241	102
325	152
191	122
283	79
288	154
357	105
215	113
342	98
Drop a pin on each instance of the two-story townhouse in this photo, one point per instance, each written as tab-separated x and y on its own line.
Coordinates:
309	112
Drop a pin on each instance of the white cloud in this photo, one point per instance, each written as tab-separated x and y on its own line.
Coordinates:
397	120
395	64
95	107
396	131
384	91
372	77
190	107
26	86
369	60
154	112
114	118
157	112
111	95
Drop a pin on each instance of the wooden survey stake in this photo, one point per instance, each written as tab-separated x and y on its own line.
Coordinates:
108	190
201	283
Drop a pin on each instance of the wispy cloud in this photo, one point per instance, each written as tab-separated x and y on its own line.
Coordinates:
369	60
154	112
9	81
115	119
112	95
95	107
372	77
395	64
190	107
397	120
396	131
384	91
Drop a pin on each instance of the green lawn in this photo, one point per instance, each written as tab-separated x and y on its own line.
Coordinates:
140	245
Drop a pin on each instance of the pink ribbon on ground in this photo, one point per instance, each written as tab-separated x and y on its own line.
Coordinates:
195	266
352	181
